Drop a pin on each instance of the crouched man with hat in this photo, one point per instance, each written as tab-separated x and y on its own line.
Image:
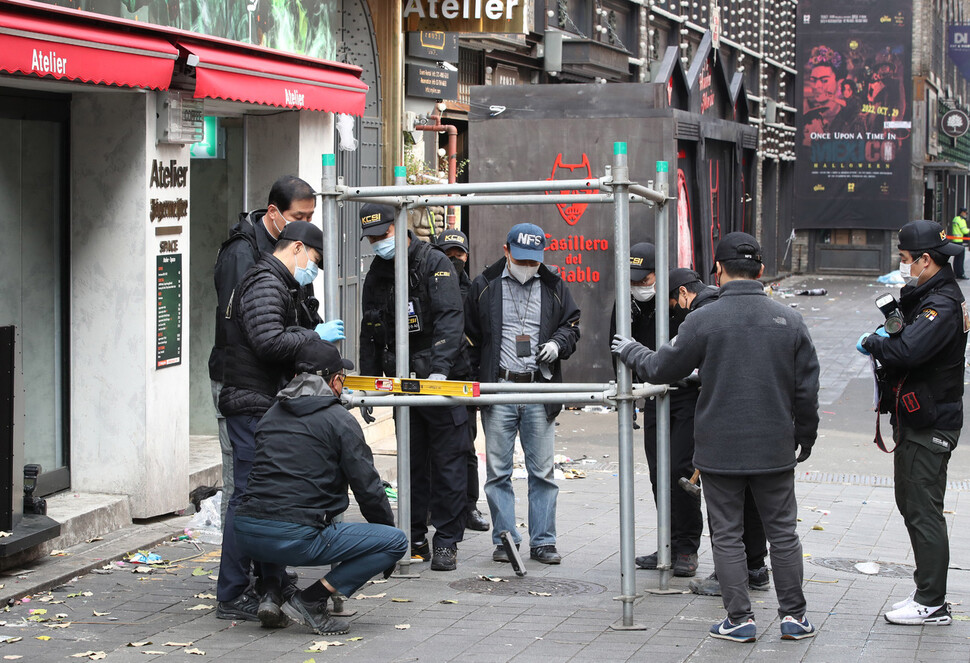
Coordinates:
922	390
308	450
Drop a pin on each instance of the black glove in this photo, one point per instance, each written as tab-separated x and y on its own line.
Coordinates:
367	413
803	453
389	570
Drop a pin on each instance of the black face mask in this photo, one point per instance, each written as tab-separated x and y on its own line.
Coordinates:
458	263
678	314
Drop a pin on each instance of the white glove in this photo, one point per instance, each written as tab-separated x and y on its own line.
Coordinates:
437	376
620	343
548	353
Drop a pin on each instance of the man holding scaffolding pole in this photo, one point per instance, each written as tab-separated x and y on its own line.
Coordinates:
757	416
521	322
439	435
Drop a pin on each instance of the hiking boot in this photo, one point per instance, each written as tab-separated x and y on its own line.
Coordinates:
501	555
685	566
315	616
269	613
243	608
444	559
648	562
545	554
708	586
916	614
420	552
758	579
725	630
476	520
795	629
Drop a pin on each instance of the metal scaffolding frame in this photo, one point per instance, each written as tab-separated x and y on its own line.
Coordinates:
618	191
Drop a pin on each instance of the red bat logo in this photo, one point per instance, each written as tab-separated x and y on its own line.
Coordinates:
571	212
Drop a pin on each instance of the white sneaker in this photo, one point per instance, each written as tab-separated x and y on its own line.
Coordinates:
916	614
906	601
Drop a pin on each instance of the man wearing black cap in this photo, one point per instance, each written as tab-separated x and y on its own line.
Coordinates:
959	231
309	449
455	245
922	389
439	435
686	521
267	328
757	411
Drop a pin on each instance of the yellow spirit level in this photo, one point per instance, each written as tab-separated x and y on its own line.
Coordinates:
412	386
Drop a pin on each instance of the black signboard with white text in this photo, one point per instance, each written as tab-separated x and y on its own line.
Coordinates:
431	45
855	122
168	307
431	82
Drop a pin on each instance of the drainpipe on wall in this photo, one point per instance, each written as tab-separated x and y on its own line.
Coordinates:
451	153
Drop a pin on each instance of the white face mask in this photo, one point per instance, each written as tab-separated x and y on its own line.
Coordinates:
906	270
522	273
642	293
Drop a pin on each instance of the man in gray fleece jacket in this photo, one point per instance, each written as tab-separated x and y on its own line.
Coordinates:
757	410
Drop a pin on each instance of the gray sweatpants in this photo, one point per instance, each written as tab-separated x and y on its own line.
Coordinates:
226	446
775	496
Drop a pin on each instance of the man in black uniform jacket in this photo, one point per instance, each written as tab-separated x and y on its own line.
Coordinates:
439	435
922	389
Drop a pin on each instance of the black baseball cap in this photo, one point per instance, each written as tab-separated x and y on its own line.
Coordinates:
736	246
450	238
321	358
304	231
921	235
374	219
642	260
681	276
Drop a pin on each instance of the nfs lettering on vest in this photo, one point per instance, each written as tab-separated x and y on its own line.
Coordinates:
491	9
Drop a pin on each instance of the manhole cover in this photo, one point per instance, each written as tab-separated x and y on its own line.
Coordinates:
516	586
886	569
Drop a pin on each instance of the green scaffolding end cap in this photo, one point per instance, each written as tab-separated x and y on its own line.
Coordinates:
661	166
619	148
400	171
329	160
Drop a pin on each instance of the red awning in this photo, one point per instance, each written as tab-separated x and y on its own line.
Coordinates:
71	50
274	80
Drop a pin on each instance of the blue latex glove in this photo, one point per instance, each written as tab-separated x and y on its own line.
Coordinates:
859	346
437	376
882	332
620	343
331	331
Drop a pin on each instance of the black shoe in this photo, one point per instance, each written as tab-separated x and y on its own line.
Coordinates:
648	562
545	554
243	608
501	555
269	613
685	566
315	616
420	552
476	520
444	559
758	579
289	586
709	586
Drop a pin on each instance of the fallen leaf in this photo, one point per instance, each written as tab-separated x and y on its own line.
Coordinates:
199	571
962	618
93	655
948	511
213	577
201	606
205	595
492	579
10	638
402	627
197	652
540	593
177	644
139	644
321	645
93	539
61	625
448	601
377	582
99	614
37	611
372	596
43	637
400	600
58	553
355	639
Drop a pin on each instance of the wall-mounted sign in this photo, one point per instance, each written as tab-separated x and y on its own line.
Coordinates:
433	45
430	82
213	143
955	123
468	16
168	310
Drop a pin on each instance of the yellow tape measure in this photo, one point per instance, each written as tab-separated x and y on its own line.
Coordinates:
412	386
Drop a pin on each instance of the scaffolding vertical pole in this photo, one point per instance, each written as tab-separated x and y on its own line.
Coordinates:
402	370
624	394
331	239
663	400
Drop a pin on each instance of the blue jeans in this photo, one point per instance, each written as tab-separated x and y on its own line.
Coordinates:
537	436
359	550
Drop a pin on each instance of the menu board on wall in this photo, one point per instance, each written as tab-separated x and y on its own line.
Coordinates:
168	305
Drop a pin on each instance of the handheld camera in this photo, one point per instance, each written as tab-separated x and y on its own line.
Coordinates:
890	309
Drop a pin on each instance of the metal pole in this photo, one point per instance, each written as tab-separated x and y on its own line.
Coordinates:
331	238
403	420
663	401
350	193
624	382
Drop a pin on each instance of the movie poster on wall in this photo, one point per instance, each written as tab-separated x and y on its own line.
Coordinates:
854	126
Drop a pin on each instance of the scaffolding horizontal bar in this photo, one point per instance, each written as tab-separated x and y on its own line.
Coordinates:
542	387
598	397
369	192
542	199
650	194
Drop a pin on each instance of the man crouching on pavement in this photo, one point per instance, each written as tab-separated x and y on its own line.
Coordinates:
308	449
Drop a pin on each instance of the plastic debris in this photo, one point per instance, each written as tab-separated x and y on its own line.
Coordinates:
402	627
814	292
869	568
361	597
892	278
207	523
142	557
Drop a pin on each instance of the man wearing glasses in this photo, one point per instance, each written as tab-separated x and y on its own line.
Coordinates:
309	449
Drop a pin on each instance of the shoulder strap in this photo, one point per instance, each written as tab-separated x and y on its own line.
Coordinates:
249	239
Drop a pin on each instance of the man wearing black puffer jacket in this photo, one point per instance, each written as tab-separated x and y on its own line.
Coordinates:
268	329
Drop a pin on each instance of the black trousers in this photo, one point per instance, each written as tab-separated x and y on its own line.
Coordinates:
958	266
473	487
920	476
686	521
439	473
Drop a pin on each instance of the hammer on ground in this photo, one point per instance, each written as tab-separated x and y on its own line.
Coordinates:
690	485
